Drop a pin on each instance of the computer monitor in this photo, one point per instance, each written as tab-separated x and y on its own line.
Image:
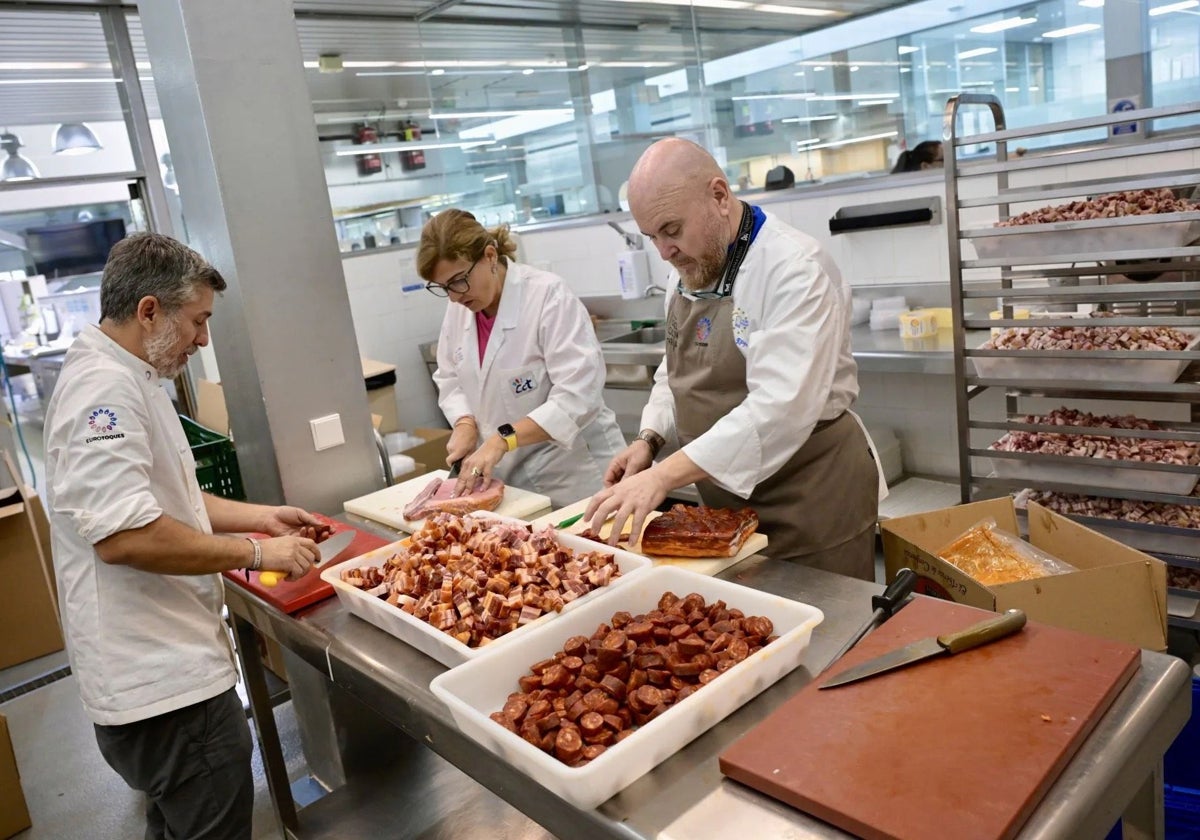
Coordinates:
77	248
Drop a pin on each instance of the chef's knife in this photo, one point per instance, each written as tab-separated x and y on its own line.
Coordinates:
892	599
327	550
950	643
455	469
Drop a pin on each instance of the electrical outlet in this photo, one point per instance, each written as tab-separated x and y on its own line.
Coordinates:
327	432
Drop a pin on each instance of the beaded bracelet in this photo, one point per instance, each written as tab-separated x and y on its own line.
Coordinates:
257	564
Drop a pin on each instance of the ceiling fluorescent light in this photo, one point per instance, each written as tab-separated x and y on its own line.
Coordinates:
1092	4
59	81
703	4
907	50
756	96
1174	7
380	148
515	112
863	139
491	179
645	64
975	53
819	118
846	97
869	102
808	142
1075	30
792	10
1012	90
1007	23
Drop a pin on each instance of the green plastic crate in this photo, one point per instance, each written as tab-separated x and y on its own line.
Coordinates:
216	463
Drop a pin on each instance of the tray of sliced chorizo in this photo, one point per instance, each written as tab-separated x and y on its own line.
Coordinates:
592	701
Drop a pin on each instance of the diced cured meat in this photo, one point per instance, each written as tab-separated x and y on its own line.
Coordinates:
1128	203
436	497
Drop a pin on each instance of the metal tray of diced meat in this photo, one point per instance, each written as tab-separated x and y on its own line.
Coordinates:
1095	472
441	646
1092	236
1083	369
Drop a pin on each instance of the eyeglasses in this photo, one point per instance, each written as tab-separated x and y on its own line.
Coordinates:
459	285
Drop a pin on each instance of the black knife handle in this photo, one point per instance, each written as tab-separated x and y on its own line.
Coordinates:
895	594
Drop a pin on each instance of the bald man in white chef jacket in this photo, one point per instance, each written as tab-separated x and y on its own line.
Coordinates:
758	378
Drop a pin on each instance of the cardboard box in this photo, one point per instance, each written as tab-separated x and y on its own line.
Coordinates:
430	455
1117	593
29	625
272	656
14	814
210	407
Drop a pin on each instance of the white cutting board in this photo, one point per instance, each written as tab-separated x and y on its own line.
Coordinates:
756	543
387	505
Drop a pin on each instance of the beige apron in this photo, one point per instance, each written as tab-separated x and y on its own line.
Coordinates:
820	508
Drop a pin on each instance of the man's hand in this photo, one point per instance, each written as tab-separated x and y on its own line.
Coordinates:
629	461
290	521
289	555
632	499
477	469
461	442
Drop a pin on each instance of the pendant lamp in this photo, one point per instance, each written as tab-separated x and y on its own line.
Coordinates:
15	167
75	139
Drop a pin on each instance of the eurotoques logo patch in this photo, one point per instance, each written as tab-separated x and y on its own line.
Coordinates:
103	424
703	330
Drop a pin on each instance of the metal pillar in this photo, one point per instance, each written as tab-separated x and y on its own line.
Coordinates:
1127	56
243	143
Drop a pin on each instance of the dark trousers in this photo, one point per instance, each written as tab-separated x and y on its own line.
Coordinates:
193	764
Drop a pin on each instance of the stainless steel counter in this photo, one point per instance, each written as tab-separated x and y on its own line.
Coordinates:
1117	771
876	351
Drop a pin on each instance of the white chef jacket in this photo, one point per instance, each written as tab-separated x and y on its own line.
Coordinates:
791	320
543	361
141	644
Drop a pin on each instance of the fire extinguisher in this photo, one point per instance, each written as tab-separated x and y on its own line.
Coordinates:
367	164
416	158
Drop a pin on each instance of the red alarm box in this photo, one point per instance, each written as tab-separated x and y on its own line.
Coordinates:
367	164
416	158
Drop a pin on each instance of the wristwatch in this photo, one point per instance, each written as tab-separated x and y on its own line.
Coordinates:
509	434
653	439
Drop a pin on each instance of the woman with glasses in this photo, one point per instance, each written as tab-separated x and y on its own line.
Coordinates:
520	371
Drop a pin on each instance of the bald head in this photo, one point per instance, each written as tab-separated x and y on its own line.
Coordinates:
672	166
681	200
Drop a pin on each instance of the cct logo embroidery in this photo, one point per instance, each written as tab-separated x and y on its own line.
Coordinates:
103	423
523	384
703	331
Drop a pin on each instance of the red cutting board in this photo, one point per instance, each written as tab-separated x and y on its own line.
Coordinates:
293	595
960	746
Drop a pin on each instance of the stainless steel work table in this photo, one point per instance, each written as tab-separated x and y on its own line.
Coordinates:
1118	770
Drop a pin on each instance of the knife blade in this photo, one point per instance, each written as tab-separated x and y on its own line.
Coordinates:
455	469
327	550
950	644
892	599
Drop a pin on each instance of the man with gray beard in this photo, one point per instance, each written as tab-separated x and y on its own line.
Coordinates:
135	554
758	379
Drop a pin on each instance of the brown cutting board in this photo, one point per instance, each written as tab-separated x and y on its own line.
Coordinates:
960	746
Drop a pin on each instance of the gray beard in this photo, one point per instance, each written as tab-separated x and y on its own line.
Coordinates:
160	349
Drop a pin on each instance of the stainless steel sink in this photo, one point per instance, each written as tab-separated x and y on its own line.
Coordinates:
642	337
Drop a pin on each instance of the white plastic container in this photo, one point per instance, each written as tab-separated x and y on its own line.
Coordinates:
442	646
476	689
886	319
899	303
918	323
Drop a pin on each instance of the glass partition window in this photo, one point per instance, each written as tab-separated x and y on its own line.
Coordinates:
537	121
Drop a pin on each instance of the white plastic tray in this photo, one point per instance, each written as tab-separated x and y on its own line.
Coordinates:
433	642
1173	230
1092	473
1083	369
478	688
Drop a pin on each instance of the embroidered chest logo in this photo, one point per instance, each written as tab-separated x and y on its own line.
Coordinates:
523	384
459	355
703	331
741	328
103	424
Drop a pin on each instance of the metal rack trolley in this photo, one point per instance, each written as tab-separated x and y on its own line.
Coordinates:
1059	266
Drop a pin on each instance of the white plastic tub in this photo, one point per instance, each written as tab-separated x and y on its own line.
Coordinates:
442	646
1082	369
476	689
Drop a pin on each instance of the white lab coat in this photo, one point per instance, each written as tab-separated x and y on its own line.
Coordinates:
543	361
